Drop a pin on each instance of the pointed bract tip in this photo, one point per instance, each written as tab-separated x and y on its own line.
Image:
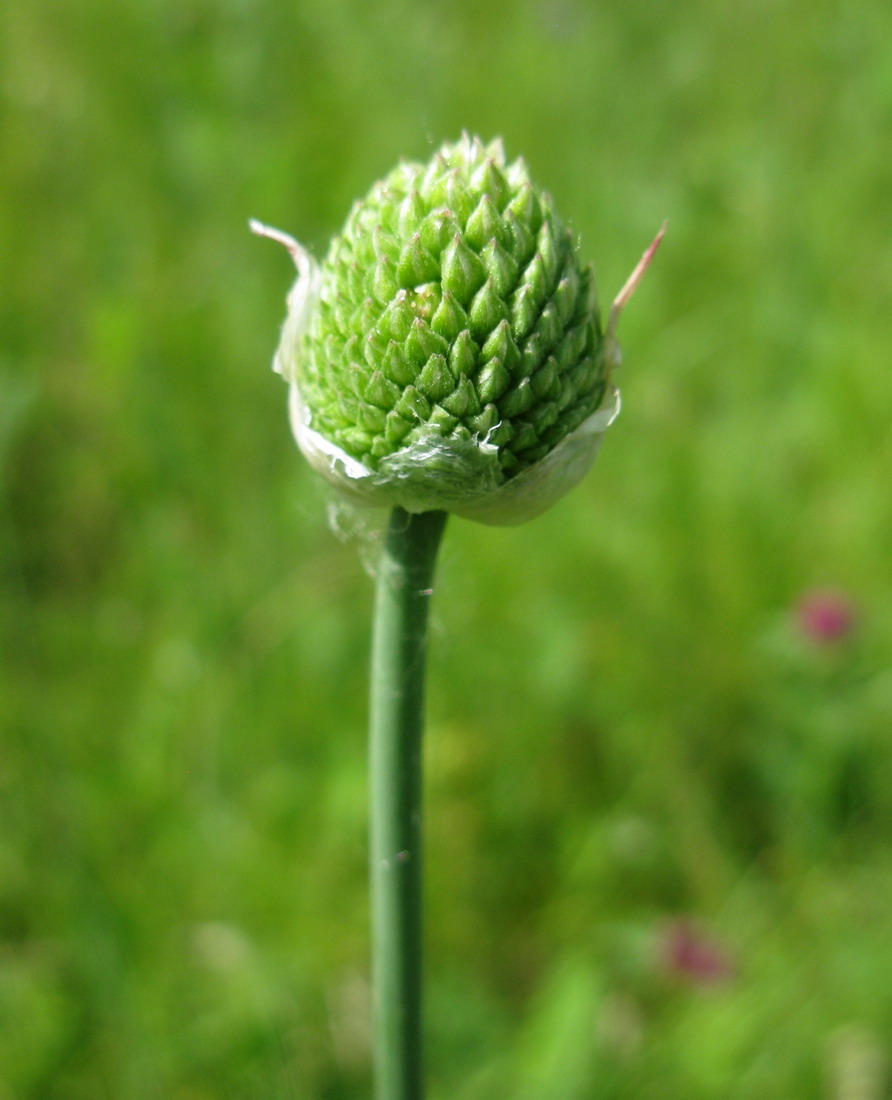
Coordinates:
630	285
296	251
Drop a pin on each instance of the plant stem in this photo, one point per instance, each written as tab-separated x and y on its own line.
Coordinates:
402	595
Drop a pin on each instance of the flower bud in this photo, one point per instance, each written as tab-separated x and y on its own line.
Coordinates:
448	352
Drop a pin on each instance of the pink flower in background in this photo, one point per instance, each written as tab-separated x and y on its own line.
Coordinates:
825	616
690	955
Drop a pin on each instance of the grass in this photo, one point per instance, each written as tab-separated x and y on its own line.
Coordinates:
638	734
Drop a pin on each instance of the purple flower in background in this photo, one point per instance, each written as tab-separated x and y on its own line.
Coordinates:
689	955
825	616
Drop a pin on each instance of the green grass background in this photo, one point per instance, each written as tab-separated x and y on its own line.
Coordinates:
625	728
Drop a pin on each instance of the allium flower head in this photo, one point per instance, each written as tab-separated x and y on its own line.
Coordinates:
448	352
825	616
692	956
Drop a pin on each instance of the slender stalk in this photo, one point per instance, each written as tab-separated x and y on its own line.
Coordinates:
397	697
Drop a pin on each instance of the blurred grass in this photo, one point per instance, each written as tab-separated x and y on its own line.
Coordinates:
638	735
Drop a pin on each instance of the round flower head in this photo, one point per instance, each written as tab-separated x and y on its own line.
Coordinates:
448	352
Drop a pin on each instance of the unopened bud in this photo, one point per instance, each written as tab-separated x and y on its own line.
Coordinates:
448	352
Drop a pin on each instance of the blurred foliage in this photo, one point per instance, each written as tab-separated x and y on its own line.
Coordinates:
628	726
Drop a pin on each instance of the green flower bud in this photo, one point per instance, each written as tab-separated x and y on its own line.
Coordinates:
448	352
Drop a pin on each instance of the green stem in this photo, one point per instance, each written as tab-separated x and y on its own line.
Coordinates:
397	695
